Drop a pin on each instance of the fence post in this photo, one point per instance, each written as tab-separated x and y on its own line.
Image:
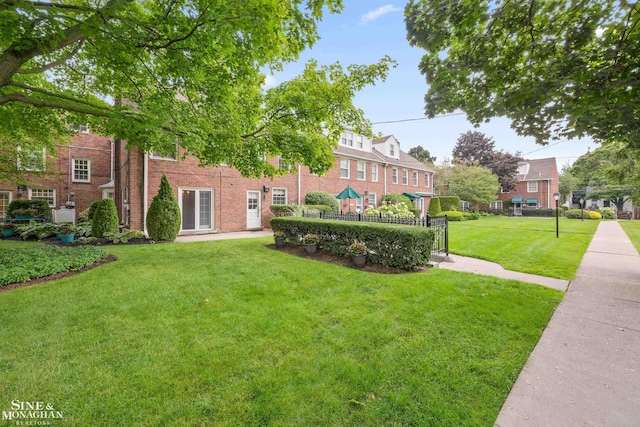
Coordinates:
446	235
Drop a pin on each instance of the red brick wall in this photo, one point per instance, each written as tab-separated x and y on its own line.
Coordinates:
93	147
544	194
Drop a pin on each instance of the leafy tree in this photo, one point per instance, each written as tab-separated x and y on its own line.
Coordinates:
163	216
616	194
475	148
568	183
591	168
422	154
627	169
475	184
556	69
191	72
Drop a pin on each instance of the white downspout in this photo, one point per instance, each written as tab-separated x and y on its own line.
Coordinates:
385	178
549	193
299	183
145	192
111	173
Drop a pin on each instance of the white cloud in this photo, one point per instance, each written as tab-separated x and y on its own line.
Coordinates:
377	13
269	81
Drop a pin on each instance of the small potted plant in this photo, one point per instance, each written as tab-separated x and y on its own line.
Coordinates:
311	243
67	233
279	238
8	230
358	252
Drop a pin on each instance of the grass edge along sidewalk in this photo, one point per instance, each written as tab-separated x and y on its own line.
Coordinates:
526	245
232	332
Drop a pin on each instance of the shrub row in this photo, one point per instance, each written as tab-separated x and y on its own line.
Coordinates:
577	214
40	207
460	216
390	245
322	198
290	210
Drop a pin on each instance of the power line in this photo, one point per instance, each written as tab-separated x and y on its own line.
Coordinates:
418	118
545	147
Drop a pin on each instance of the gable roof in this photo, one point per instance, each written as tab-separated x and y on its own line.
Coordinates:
539	169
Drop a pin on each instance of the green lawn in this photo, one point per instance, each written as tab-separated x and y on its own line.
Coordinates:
528	245
230	333
632	228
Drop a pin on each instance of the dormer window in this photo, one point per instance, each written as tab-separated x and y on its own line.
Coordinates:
392	150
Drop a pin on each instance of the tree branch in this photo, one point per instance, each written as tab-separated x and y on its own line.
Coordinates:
58	95
19	97
53	64
48	5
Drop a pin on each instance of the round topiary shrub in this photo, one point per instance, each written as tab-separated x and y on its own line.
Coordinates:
594	214
105	218
164	218
322	198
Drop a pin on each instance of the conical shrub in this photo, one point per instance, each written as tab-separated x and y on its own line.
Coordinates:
105	218
163	217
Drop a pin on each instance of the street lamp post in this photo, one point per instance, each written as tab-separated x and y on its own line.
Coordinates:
582	208
556	197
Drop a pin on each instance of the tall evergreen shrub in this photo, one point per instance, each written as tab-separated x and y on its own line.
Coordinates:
105	218
163	217
434	206
92	209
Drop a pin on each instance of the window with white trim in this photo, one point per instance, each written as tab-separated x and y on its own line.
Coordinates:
426	179
81	170
394	175
344	168
48	194
374	172
5	199
279	196
196	206
359	205
359	141
392	150
362	170
32	159
172	156
405	177
372	200
415	178
532	186
349	139
496	205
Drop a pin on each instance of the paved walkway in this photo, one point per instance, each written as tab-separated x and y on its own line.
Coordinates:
585	370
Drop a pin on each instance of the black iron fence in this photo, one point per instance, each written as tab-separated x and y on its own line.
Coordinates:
439	224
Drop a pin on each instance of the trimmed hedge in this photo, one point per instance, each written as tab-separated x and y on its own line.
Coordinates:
105	218
577	214
538	212
453	215
322	198
41	206
434	206
449	203
390	245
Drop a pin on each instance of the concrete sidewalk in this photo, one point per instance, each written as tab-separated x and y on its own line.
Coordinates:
585	370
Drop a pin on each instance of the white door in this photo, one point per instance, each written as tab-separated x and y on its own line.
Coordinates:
5	199
196	206
253	210
421	207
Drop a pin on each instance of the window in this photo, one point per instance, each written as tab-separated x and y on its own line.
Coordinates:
31	159
374	173
394	175
5	199
344	140
362	170
415	178
426	179
359	205
503	192
84	128
349	139
47	194
532	187
464	205
81	170
344	168
532	203
405	177
392	150
172	156
496	206
279	196
372	200
282	164
359	141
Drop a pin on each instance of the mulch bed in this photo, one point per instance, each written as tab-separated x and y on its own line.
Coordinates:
329	257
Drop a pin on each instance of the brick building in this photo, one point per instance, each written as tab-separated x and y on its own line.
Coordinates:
214	199
537	182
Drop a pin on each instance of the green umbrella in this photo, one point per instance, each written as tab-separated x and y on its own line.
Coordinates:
349	193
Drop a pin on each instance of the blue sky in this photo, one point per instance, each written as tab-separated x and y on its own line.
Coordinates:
366	31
